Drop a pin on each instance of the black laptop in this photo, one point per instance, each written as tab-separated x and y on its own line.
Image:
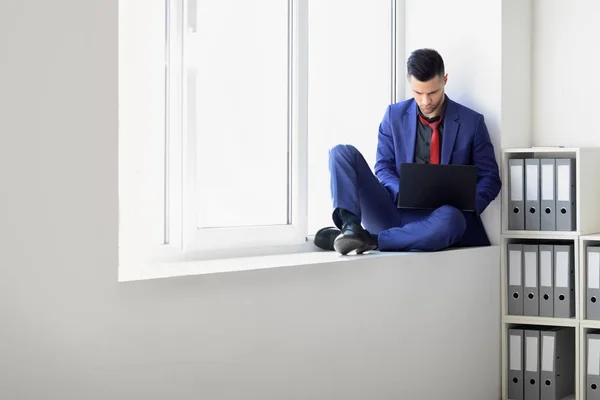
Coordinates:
429	186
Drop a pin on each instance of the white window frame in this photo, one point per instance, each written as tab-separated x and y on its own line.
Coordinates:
180	239
198	242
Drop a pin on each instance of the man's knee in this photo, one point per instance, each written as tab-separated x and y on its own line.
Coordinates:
346	151
455	223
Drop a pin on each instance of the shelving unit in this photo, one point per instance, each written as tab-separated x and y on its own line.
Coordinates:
586	232
587	184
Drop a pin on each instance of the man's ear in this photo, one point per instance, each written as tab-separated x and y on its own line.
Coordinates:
445	79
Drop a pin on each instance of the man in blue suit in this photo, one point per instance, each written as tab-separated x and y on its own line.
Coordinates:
429	128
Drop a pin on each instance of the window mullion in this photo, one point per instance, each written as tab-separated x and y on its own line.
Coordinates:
299	46
174	124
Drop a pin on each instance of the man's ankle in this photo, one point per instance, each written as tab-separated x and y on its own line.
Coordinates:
347	217
375	238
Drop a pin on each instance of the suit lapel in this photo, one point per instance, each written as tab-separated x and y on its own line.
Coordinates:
410	128
450	131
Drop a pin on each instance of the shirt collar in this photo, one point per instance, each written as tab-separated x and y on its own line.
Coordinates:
443	113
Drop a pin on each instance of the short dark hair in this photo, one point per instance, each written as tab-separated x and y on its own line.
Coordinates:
424	64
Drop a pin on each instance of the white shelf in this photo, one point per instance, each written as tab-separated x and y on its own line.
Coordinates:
590	237
545	321
541	149
590	324
555	235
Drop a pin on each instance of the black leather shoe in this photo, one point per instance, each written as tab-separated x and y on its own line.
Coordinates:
354	238
325	236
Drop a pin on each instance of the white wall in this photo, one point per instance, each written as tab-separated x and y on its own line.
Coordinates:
70	331
565	60
467	33
516	73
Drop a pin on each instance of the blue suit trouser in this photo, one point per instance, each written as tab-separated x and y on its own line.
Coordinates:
355	188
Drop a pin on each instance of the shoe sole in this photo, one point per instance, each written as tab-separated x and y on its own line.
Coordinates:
366	247
345	245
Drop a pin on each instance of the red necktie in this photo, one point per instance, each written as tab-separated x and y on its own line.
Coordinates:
434	148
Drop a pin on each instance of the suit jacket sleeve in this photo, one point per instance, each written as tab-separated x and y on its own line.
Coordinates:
385	162
488	179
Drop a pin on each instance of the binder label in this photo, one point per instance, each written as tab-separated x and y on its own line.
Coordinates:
515	352
548	353
514	257
546	268
516	183
593	270
593	367
530	269
562	269
548	182
531	355
563	192
532	182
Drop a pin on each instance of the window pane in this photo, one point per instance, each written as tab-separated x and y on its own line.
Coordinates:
349	67
241	96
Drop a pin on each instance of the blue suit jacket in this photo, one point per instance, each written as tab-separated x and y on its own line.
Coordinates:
465	140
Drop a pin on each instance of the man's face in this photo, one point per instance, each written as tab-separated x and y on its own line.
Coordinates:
429	95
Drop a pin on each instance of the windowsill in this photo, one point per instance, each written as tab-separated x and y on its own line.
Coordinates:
308	255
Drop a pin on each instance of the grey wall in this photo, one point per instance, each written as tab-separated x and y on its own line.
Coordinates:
369	329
